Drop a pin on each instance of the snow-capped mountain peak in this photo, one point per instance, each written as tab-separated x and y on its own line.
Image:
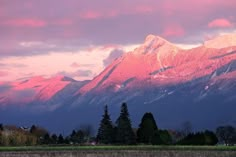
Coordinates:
157	76
223	41
154	44
155	39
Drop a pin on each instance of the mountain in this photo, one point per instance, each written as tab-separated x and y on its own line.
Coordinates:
177	85
47	92
158	62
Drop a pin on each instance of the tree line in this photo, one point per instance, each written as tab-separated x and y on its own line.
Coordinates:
147	132
119	133
35	135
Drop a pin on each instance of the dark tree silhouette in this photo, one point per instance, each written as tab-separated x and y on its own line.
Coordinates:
87	131
33	129
61	139
78	137
1	127
46	139
105	132
38	132
226	134
210	138
147	129
199	138
124	132
54	139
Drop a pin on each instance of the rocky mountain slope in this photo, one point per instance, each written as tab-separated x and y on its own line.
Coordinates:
177	85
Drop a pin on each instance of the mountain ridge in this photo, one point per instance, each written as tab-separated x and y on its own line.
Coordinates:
158	76
162	62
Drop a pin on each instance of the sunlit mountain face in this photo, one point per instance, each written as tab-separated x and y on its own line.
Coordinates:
177	85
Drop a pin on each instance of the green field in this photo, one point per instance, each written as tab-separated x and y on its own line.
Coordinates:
104	148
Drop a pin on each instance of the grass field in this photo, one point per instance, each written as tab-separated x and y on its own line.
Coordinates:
104	148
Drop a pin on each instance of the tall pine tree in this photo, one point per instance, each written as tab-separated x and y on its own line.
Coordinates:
105	132
147	129
124	131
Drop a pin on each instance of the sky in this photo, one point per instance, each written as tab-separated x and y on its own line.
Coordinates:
79	38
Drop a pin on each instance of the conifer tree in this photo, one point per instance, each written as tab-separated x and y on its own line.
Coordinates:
105	132
124	131
147	129
61	139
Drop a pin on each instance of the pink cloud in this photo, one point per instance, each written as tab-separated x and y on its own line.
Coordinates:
140	9
114	12
144	9
74	65
173	31
110	46
220	23
202	8
90	15
26	23
78	65
63	22
3	73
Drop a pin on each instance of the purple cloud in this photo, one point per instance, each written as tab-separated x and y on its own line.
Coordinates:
112	56
75	23
78	65
41	27
14	65
25	23
77	73
4	87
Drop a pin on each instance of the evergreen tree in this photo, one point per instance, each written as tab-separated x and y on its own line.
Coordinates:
54	139
61	139
46	139
156	139
210	138
81	136
124	132
77	137
147	129
73	137
165	137
105	132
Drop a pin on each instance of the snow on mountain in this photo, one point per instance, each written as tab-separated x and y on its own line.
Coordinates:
36	89
176	85
221	41
169	81
159	62
153	43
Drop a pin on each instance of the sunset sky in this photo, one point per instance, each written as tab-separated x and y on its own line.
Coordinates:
80	38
